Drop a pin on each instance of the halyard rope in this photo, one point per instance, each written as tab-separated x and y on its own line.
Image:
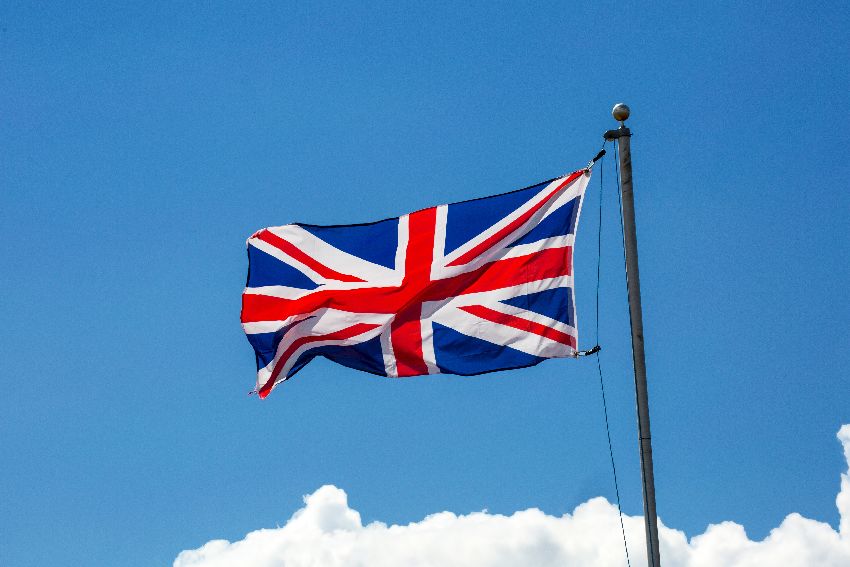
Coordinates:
596	350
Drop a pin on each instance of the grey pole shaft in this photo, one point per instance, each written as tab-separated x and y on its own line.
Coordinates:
623	137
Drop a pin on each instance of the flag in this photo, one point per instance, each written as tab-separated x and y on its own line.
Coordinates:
464	288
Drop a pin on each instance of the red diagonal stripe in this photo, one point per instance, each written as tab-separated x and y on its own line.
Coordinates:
549	263
295	253
500	234
347	333
519	323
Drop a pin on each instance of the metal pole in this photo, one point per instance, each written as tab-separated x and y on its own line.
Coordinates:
623	136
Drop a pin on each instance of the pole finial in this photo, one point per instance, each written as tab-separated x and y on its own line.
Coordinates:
620	112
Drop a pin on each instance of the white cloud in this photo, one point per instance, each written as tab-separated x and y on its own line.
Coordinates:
327	533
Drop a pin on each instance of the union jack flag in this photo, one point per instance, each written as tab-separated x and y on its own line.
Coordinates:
465	288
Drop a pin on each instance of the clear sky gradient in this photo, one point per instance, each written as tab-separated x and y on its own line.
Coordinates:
140	147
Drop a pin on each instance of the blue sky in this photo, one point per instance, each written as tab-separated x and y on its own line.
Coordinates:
140	146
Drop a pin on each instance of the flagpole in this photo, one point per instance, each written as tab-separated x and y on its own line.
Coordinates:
623	137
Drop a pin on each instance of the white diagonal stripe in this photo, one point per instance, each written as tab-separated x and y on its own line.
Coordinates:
523	341
565	195
330	256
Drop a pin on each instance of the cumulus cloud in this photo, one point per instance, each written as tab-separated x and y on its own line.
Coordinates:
326	532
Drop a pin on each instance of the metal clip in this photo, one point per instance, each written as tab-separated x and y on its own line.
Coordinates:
593	161
594	350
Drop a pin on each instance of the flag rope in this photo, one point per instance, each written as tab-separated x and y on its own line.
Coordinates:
596	349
